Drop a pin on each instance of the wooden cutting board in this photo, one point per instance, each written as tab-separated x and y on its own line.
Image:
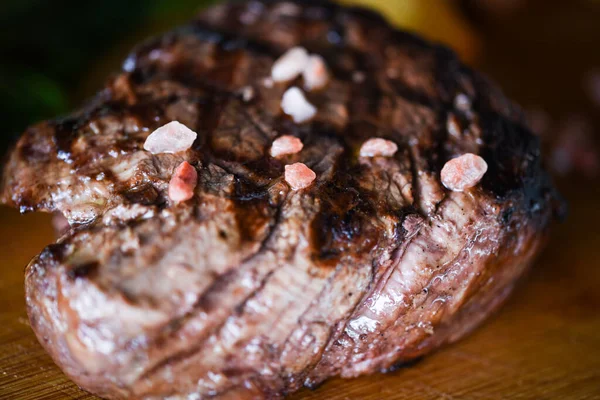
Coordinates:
544	344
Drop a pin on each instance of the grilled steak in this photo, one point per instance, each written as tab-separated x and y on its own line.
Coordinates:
253	288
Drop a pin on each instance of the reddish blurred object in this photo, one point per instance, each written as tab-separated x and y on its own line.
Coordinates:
574	150
569	144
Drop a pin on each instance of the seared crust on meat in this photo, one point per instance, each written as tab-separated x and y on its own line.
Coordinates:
250	288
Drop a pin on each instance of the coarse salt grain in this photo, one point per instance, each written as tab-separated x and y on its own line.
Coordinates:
295	105
378	147
463	172
183	182
315	74
299	176
286	144
290	65
170	138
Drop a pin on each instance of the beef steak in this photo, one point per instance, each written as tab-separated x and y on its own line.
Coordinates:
251	289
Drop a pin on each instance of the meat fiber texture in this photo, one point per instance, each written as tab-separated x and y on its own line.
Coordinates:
250	289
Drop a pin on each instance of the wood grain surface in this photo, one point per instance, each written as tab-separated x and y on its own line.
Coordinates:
544	344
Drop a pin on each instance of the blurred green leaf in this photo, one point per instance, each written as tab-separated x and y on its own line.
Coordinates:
27	95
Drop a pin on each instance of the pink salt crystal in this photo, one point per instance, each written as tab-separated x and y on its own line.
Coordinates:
299	176
315	74
170	138
183	182
286	144
378	147
295	105
463	172
289	65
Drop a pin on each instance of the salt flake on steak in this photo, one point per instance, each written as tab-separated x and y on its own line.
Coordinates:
286	144
183	182
170	138
463	172
378	147
299	176
315	74
290	65
295	105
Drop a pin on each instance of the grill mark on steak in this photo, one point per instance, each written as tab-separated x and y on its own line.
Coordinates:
351	347
304	324
339	223
452	270
184	356
297	377
284	308
377	279
248	277
415	181
205	304
302	378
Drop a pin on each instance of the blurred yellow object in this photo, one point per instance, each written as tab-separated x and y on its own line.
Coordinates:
437	20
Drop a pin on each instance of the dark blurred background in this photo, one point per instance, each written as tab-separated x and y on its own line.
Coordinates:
544	53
